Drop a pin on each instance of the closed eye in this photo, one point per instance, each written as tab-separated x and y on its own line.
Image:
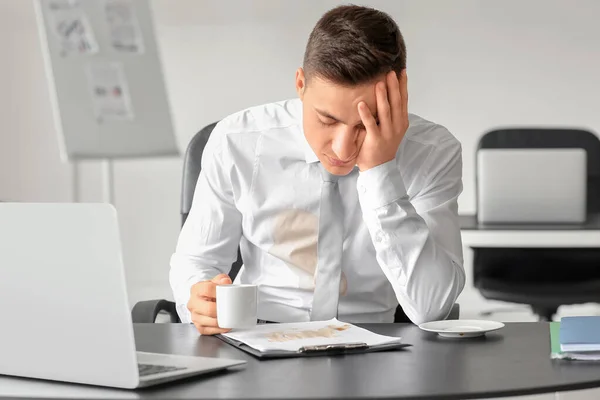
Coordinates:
328	123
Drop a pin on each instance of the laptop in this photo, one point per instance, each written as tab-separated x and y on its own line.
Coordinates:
64	304
531	185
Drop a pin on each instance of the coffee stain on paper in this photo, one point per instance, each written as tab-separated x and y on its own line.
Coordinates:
325	332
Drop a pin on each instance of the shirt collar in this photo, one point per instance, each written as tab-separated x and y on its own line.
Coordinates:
309	154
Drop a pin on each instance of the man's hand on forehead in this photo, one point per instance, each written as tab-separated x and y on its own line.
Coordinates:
387	125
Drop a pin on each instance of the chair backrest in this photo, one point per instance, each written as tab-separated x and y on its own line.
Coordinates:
192	164
191	168
548	138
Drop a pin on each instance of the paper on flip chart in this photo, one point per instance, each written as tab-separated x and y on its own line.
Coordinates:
109	91
294	336
72	28
124	28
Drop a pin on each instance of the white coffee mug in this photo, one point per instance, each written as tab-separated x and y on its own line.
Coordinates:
236	306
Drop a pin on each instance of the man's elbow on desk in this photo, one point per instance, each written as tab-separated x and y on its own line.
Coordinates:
418	317
437	304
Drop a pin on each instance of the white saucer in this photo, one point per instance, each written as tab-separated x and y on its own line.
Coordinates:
461	328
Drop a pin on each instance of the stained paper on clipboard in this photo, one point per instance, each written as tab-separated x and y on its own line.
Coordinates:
109	91
124	27
297	337
72	28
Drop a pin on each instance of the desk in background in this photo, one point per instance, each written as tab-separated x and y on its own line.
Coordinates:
566	249
475	234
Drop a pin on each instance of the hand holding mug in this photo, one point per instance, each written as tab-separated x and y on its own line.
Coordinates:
203	305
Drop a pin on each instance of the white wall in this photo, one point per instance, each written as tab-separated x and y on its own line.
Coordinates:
473	65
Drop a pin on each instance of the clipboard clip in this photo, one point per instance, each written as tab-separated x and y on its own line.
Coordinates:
332	347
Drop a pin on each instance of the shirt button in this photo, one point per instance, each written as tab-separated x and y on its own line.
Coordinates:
362	189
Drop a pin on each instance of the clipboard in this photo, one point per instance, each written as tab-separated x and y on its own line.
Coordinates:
315	351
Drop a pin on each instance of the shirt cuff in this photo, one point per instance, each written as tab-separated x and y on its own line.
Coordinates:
381	185
182	297
184	314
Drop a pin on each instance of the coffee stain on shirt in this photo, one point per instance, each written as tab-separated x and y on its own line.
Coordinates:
295	235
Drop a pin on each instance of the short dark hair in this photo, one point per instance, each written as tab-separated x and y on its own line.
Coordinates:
352	44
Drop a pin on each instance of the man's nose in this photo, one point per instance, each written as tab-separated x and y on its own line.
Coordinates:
344	143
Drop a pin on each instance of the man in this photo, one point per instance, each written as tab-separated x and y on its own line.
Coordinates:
342	203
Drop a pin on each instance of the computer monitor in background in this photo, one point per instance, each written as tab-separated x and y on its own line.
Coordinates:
531	185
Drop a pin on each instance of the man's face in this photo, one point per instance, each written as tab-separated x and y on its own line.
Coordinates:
332	125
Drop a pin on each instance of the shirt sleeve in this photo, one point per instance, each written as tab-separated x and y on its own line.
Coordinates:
417	241
208	241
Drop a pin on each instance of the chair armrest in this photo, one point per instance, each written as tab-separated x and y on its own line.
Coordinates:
146	311
455	312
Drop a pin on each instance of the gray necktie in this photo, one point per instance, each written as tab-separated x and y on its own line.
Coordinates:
329	250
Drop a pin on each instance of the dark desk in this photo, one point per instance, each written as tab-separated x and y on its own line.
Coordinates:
512	361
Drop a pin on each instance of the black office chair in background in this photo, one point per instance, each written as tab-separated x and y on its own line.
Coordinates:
147	311
543	278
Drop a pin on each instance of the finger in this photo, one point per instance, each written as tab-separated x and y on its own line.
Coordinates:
383	108
206	289
204	320
404	94
209	330
208	308
394	95
367	118
207	323
221	279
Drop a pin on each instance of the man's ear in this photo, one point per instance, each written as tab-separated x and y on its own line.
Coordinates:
300	83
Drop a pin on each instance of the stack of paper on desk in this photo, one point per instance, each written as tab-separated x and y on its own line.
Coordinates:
309	338
580	334
558	353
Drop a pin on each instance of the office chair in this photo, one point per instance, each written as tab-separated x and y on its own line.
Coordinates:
543	278
147	311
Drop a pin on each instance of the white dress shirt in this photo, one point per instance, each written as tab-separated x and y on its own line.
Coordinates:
259	188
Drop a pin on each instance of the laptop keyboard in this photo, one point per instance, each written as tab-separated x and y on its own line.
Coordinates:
149	369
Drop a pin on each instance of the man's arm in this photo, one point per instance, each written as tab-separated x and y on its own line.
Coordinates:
418	242
209	239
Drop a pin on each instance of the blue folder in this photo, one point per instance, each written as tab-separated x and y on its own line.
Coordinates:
580	334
